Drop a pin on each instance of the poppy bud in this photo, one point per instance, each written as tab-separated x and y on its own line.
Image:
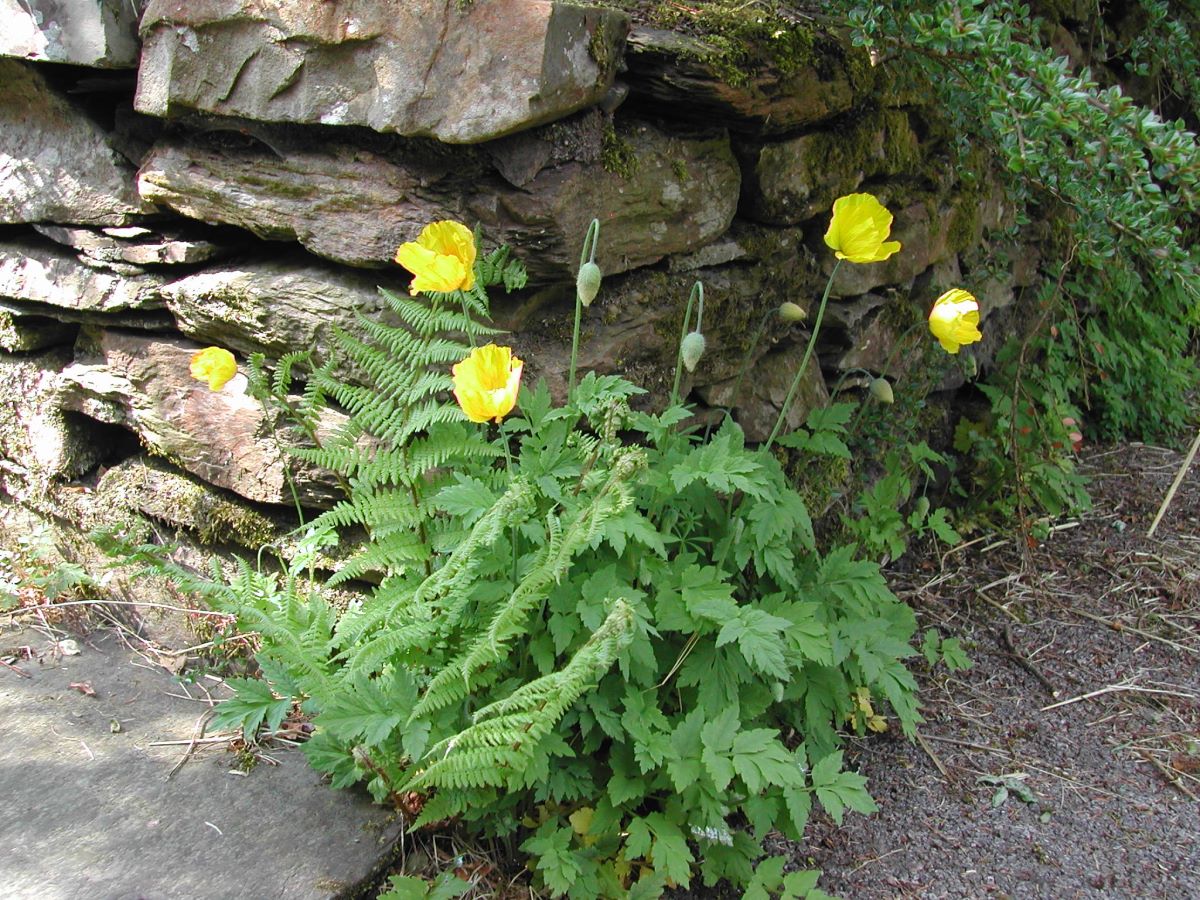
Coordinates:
921	507
587	283
881	390
970	366
792	312
692	349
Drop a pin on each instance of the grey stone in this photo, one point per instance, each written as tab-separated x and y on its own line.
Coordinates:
275	307
95	811
922	229
38	443
681	73
23	312
134	245
35	272
879	343
56	165
27	333
724	251
633	327
356	205
792	180
224	437
765	387
98	33
461	73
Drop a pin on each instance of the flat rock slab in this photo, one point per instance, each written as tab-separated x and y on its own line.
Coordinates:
100	33
56	164
90	811
223	437
458	72
355	205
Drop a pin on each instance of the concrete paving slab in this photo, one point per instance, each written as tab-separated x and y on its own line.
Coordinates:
88	811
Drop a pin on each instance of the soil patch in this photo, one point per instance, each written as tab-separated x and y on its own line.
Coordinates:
1066	762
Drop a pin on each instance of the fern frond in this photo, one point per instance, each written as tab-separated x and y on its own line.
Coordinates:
410	617
444	445
553	560
507	732
281	380
390	553
419	418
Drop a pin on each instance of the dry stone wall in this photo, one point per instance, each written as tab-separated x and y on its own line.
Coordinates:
178	173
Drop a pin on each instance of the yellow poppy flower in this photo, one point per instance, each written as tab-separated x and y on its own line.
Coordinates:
442	258
954	320
486	383
859	229
213	365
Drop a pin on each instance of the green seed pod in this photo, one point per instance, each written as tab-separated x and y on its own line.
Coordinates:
881	390
692	349
792	312
921	507
587	283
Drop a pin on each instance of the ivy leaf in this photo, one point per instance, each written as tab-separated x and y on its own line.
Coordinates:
722	467
649	887
637	838
363	710
941	526
445	887
533	404
803	884
687	746
632	525
468	497
706	595
806	634
625	784
326	754
798	803
649	728
717	737
834	417
768	877
954	656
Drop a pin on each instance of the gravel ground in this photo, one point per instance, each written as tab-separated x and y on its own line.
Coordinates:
1084	700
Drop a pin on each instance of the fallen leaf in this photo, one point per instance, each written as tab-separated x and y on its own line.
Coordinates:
84	687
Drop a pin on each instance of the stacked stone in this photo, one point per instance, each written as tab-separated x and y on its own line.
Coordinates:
239	172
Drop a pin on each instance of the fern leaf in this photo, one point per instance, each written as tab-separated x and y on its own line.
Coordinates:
506	733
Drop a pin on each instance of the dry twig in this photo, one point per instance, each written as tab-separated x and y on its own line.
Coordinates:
1025	663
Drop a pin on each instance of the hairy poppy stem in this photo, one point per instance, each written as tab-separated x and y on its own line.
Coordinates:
808	351
586	255
697	295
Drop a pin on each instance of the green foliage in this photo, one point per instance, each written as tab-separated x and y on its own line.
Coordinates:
1020	456
37	562
445	887
936	649
632	658
876	518
1109	348
253	706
